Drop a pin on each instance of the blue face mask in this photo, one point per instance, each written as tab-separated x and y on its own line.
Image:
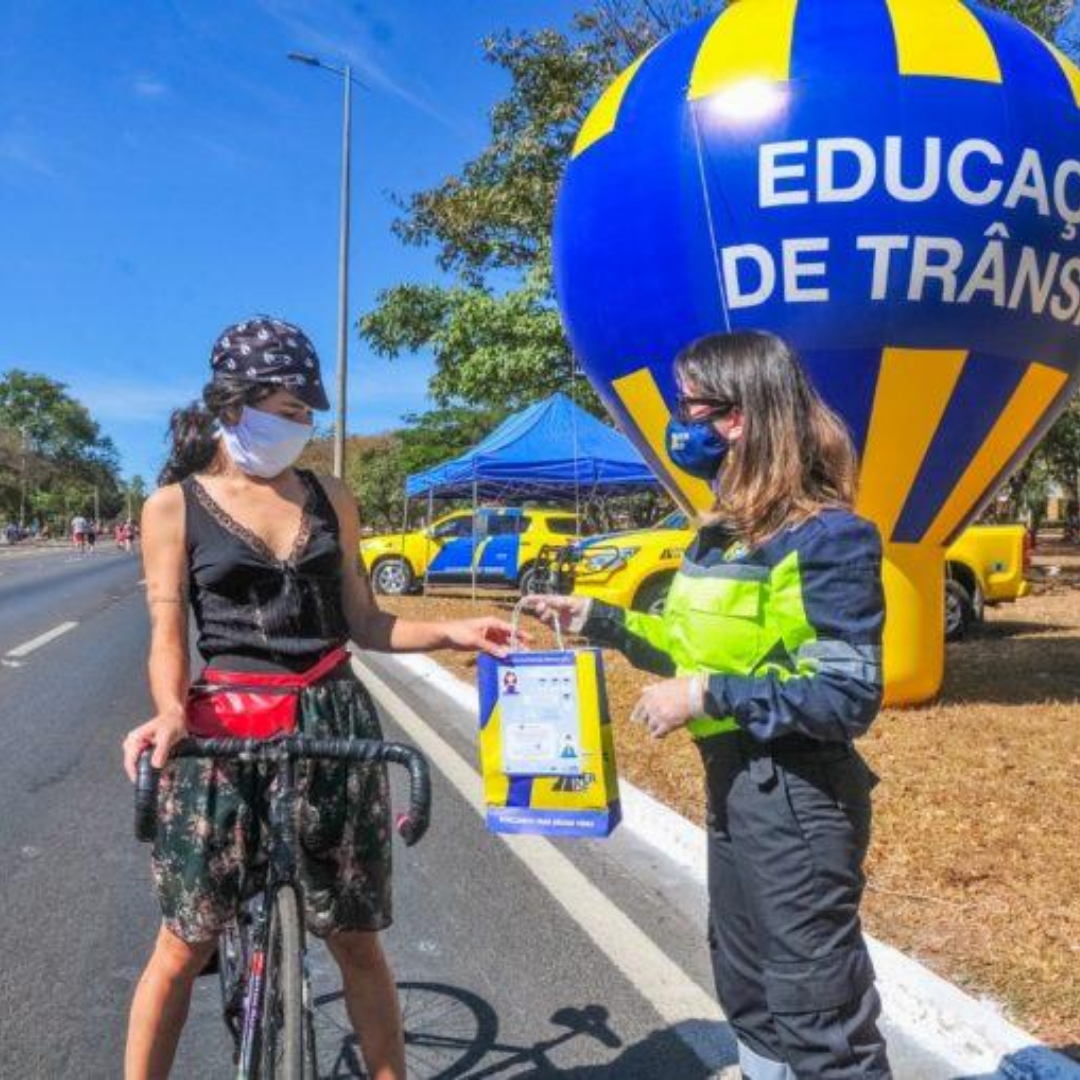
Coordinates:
698	448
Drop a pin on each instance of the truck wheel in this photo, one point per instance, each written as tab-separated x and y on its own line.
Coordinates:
959	611
652	596
533	581
393	577
978	605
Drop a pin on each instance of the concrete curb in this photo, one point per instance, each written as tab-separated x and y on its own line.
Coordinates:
971	1034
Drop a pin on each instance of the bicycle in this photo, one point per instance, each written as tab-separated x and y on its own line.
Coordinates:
267	1002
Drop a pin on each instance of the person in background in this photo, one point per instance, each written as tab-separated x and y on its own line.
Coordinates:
79	529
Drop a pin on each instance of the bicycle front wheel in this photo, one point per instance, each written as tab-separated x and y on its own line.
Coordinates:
282	1054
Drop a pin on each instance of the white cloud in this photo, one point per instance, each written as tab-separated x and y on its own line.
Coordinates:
343	35
147	86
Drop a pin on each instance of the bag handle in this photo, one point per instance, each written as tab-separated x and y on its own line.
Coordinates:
515	618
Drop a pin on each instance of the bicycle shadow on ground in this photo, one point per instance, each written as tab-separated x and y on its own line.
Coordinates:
452	1033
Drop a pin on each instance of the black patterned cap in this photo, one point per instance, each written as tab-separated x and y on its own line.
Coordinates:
271	352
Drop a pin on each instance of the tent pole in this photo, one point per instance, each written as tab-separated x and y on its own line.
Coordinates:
573	423
404	520
427	534
474	534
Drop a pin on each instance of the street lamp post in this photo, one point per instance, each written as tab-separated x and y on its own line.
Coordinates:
343	251
22	485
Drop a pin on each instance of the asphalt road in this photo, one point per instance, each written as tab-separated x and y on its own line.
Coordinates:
499	977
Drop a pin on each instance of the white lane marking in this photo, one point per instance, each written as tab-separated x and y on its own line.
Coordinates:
662	983
41	639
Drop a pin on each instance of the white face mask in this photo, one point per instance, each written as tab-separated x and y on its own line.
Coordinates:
263	443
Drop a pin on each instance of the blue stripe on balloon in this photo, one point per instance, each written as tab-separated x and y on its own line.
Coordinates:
818	25
847	380
982	392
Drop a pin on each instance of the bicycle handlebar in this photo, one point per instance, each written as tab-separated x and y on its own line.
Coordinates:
411	826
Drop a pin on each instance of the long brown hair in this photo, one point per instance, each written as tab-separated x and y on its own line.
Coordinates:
795	456
192	435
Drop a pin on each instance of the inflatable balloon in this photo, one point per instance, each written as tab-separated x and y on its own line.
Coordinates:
891	185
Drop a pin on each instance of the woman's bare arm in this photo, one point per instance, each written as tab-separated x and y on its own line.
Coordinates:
165	568
378	630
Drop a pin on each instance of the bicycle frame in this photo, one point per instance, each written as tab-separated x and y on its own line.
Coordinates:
280	873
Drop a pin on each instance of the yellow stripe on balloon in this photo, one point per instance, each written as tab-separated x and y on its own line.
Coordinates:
913	389
1070	70
604	114
749	41
942	38
641	398
1028	403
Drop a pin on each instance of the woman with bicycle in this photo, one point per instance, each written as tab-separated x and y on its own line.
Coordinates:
265	554
770	652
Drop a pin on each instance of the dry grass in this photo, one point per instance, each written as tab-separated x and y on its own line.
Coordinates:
974	866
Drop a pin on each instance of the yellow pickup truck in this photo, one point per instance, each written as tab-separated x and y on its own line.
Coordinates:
497	546
986	565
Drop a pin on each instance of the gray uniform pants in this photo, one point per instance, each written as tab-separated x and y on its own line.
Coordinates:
788	828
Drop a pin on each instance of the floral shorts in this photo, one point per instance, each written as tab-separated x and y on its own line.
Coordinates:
211	848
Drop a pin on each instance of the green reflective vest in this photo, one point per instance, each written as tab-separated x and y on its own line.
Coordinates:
734	618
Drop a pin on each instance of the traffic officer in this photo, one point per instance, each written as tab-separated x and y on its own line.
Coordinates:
770	649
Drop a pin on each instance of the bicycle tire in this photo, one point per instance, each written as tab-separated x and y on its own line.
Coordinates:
281	1053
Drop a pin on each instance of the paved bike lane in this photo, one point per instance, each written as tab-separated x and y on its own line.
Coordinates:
497	981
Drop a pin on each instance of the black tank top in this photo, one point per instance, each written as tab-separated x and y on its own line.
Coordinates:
253	611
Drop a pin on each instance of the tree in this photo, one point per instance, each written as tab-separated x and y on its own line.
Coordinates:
1043	16
133	494
494	329
55	448
377	477
1060	451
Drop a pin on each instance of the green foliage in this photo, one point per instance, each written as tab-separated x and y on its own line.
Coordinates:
376	476
1059	452
53	448
495	332
432	437
1043	16
490	349
427	439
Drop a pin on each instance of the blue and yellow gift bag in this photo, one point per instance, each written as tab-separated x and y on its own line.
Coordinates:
546	749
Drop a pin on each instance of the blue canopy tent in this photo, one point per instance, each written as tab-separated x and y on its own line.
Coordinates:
551	449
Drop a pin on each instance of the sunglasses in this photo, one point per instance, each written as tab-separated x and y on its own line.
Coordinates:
717	408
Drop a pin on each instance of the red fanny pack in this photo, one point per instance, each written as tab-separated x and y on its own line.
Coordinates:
250	704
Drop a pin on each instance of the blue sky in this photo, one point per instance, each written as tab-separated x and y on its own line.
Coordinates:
164	171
